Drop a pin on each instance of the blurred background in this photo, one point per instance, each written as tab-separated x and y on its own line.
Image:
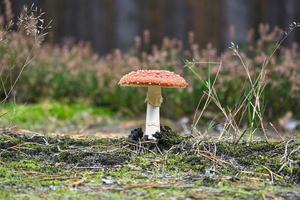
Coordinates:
110	24
63	77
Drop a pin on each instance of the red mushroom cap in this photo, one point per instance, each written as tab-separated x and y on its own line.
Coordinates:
145	78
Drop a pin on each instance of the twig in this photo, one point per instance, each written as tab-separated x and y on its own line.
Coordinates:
272	174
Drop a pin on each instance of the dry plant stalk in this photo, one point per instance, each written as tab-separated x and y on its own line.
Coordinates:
31	30
251	103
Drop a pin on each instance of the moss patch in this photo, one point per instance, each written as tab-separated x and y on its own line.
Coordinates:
48	115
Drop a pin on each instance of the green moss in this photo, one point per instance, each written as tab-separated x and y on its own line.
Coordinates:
25	164
39	117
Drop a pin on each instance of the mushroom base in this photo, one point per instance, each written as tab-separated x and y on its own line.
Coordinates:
152	121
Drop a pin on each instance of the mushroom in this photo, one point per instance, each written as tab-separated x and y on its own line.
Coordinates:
154	80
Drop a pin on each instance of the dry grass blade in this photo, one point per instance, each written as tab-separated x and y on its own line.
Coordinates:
31	23
250	106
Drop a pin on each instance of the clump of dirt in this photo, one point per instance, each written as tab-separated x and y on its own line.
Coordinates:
136	135
165	139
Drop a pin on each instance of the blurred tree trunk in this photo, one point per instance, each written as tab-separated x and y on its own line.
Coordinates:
101	24
176	22
150	13
273	12
238	20
126	22
85	20
281	13
292	14
207	23
53	8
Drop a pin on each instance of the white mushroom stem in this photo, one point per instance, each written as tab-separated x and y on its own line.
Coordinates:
154	100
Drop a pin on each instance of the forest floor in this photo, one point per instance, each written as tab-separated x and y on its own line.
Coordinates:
35	166
68	155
